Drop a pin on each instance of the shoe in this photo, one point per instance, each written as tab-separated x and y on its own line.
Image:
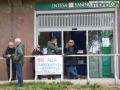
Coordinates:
54	78
78	77
12	79
18	86
39	78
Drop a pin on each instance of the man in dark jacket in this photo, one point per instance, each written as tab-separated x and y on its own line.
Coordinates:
8	54
19	60
74	46
71	61
52	49
75	50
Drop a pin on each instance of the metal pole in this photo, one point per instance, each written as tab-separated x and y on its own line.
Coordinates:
116	38
87	57
35	69
35	25
10	70
115	70
62	58
88	81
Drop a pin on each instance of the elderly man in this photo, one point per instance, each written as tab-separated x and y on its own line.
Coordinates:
8	54
19	60
71	61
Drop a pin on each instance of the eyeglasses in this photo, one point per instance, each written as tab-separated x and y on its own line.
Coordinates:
38	47
70	42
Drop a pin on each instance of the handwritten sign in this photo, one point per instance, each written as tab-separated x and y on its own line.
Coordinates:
48	64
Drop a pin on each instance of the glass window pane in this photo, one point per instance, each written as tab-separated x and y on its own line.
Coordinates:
101	42
44	37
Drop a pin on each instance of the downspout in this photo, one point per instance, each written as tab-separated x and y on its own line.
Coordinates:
12	19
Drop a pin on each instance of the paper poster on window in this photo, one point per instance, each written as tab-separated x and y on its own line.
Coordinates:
48	65
105	42
44	50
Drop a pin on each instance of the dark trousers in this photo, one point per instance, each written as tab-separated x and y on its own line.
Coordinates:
39	76
13	71
53	76
19	73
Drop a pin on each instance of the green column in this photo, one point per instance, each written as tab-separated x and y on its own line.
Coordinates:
106	50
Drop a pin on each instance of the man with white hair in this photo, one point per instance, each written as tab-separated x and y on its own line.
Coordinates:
8	54
19	60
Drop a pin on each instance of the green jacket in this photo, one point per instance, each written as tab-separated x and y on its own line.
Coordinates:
19	54
51	47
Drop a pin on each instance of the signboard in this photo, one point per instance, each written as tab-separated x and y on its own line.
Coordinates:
75	5
48	65
106	50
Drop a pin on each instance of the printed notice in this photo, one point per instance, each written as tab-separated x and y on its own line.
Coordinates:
44	50
105	42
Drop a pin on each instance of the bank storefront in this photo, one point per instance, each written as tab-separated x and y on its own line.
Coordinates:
93	29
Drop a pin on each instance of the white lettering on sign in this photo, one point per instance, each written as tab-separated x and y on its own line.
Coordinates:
59	5
45	65
81	4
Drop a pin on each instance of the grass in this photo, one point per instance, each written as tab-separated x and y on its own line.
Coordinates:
91	86
54	86
36	86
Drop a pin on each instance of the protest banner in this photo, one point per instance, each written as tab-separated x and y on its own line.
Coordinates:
48	65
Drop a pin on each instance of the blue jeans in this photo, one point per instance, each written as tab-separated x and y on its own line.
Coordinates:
70	75
73	72
19	73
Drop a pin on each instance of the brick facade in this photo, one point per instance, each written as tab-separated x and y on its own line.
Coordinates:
12	26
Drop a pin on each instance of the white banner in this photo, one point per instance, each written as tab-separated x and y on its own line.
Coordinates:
48	64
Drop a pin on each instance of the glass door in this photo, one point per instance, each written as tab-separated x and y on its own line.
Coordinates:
44	37
101	42
79	38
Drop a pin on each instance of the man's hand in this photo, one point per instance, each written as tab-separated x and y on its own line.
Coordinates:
66	47
62	55
56	43
53	51
11	58
8	56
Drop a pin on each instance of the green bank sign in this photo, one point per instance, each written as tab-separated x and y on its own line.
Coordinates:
106	61
75	5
